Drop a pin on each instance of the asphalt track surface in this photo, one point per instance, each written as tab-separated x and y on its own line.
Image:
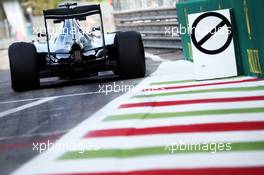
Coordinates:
48	113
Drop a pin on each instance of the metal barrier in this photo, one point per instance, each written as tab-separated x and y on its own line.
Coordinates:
157	26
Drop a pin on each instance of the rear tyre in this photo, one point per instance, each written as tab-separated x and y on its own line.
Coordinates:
23	66
131	55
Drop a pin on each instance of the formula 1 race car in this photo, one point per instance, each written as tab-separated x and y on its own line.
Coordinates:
74	52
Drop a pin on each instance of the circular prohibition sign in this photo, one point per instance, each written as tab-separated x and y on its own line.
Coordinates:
224	22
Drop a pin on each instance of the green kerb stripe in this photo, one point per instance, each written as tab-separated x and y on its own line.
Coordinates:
150	151
172	82
254	88
183	114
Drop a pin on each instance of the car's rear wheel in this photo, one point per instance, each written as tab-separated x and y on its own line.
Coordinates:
23	66
131	55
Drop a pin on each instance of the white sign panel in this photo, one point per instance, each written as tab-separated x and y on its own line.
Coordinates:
212	44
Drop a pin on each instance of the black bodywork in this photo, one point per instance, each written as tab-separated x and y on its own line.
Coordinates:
76	64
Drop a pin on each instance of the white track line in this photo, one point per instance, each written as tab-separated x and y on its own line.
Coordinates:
26	106
58	96
25	136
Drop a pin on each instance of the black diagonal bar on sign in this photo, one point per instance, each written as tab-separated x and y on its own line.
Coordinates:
211	33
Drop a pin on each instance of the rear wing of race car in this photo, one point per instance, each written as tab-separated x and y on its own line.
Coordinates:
69	13
77	12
